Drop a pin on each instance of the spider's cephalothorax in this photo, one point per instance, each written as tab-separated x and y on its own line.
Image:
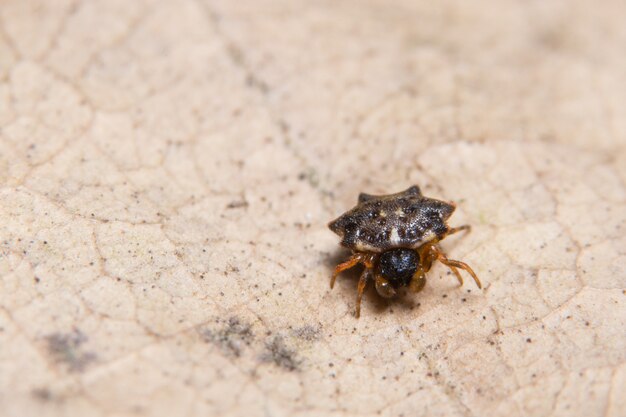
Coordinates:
395	237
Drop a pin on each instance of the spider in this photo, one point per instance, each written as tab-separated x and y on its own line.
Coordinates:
396	238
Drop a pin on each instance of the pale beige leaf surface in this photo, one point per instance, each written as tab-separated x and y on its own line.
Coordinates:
168	169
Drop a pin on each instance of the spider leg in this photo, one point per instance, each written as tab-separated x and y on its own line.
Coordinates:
453	265
355	259
360	289
457	273
454	230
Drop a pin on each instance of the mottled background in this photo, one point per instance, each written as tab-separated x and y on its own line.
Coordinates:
167	170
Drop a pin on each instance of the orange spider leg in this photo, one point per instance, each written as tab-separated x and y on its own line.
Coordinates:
427	256
355	259
457	273
360	289
454	230
452	264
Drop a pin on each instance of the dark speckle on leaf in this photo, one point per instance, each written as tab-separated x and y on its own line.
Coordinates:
279	354
66	348
232	337
308	333
237	204
42	394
